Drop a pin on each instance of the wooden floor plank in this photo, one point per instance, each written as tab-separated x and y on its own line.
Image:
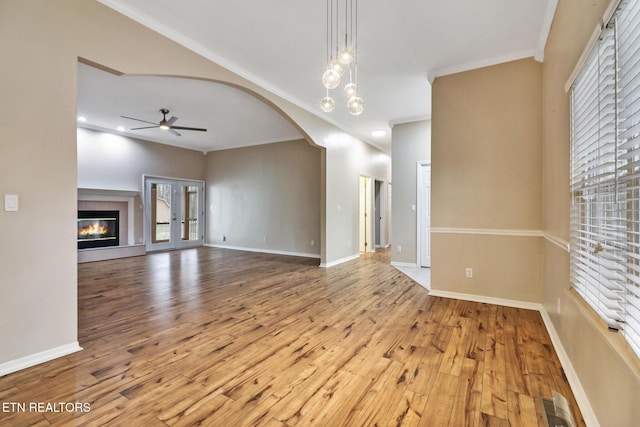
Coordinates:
522	410
409	410
382	397
210	336
494	382
466	404
441	400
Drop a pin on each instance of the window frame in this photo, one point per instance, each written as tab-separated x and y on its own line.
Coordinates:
605	176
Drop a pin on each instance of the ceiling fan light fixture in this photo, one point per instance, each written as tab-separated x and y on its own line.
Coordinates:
164	124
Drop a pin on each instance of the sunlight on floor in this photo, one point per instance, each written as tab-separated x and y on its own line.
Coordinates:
420	275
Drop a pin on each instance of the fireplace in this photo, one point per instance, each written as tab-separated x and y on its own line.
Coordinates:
98	229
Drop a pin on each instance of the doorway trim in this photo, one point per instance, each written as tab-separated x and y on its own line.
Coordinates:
365	223
420	189
379	228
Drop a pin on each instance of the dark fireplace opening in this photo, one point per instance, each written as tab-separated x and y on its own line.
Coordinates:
98	229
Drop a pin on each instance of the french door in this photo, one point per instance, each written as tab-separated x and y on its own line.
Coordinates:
174	213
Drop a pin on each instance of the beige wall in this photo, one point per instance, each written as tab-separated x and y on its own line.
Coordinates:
38	163
267	191
411	144
487	182
611	384
41	42
346	160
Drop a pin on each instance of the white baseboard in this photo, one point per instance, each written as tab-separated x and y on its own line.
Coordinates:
489	300
37	358
576	387
339	261
579	393
404	264
264	251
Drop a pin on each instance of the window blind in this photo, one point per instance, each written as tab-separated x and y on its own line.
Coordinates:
628	55
605	175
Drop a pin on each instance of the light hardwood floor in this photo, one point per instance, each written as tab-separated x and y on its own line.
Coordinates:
227	338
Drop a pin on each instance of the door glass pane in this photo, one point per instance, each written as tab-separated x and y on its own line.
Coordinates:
160	213
189	214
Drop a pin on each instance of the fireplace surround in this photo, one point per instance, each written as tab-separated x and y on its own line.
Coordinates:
98	228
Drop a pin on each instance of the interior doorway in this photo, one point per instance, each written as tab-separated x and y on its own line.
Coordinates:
424	214
377	208
174	216
389	218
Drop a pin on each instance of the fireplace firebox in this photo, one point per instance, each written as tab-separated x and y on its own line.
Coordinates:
98	229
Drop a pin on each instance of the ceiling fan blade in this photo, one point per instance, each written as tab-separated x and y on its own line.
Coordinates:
145	127
172	120
138	120
187	128
173	132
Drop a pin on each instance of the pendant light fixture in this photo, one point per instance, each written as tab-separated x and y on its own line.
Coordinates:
341	57
327	104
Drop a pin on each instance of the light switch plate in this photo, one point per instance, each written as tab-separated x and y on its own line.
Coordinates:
11	202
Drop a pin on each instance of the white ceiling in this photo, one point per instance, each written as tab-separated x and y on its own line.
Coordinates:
232	117
281	45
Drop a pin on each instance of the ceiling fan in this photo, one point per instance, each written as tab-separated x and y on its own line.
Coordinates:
164	124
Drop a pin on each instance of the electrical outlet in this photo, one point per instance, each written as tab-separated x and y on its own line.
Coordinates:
398	248
313	243
264	239
469	272
224	238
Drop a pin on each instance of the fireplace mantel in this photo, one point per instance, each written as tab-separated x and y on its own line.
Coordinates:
128	197
110	199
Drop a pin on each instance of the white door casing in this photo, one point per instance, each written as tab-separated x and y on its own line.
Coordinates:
174	216
424	214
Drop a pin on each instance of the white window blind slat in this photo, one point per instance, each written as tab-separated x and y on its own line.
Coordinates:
628	94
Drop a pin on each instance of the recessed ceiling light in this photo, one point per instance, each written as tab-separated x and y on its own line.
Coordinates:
82	119
120	128
378	133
